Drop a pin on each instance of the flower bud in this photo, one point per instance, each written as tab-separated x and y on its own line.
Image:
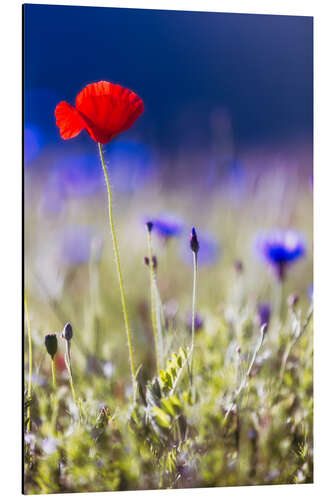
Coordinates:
292	300
149	225
67	332
239	266
264	314
146	260
194	243
51	344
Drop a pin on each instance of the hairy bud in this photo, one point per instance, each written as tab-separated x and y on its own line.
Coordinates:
194	243
149	226
51	344
67	332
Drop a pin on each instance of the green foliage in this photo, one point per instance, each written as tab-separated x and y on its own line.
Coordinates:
172	433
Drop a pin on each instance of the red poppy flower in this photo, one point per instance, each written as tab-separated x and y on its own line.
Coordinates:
103	109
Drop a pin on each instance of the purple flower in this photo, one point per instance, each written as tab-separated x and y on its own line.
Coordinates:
239	266
264	314
30	439
132	164
49	445
167	225
72	176
208	254
78	175
310	293
198	322
53	197
108	369
77	244
280	248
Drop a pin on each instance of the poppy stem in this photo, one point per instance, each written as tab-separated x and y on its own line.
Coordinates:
195	272
30	360
153	297
120	278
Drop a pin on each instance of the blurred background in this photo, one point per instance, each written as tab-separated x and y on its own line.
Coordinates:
225	144
204	77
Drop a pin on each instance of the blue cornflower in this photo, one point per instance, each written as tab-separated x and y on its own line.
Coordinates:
72	176
198	322
50	445
77	244
131	163
280	248
209	252
77	175
167	225
264	314
310	293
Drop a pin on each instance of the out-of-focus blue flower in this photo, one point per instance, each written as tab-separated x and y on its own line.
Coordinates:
310	293
77	244
264	314
236	182
38	380
53	196
108	369
72	175
33	143
198	321
280	248
167	225
130	164
209	251
31	440
77	175
49	445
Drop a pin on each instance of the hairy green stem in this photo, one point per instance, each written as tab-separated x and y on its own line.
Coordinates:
69	368
120	278
242	385
293	341
72	387
53	373
153	301
194	293
30	359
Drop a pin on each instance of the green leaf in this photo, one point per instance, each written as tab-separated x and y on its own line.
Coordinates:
168	407
162	418
175	401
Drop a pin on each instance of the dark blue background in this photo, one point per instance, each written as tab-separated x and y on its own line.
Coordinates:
257	67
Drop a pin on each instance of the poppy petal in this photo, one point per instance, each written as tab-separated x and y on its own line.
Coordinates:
108	109
68	120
